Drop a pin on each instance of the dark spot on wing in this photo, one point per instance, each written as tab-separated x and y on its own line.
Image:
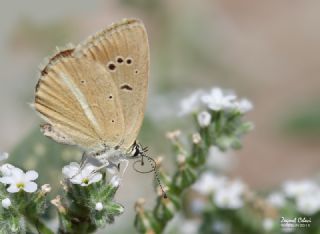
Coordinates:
112	66
119	60
129	60
127	87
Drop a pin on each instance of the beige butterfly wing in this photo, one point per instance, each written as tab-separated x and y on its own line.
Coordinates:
123	49
79	99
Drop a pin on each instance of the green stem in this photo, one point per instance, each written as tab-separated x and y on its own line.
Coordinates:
39	225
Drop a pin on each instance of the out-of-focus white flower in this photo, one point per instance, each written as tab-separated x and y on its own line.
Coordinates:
268	224
204	119
18	180
4	156
243	106
296	188
219	226
189	226
6	169
216	100
219	160
82	176
115	181
209	183
99	206
230	196
308	204
276	199
192	103
198	206
6	203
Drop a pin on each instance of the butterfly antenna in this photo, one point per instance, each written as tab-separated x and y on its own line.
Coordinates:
154	169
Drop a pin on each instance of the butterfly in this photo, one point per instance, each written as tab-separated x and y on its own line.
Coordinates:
93	95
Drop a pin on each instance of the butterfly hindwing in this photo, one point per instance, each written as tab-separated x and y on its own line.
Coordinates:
79	99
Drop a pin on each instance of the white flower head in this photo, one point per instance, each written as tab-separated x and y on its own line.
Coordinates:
6	203
294	189
99	206
6	169
192	103
276	199
18	180
268	224
4	156
204	119
243	106
308	204
216	100
220	160
209	183
230	196
82	176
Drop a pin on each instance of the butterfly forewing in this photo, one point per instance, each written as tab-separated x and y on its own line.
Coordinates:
79	99
123	50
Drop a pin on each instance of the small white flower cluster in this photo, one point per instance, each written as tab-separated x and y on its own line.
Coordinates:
86	175
215	100
226	194
219	160
305	193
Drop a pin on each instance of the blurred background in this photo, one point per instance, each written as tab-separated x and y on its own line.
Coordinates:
267	51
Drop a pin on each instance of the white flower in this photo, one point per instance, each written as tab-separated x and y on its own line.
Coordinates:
99	206
243	106
115	181
209	183
230	196
6	169
198	206
216	100
296	188
192	103
276	199
83	176
189	226
4	156
204	119
219	160
308	204
18	180
6	203
267	224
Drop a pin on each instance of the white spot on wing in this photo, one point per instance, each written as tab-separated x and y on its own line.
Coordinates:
81	98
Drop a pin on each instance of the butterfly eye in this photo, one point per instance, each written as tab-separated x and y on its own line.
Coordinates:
110	97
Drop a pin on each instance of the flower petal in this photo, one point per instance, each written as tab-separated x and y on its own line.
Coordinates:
17	174
6	169
7	180
31	175
95	178
30	187
13	188
71	169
